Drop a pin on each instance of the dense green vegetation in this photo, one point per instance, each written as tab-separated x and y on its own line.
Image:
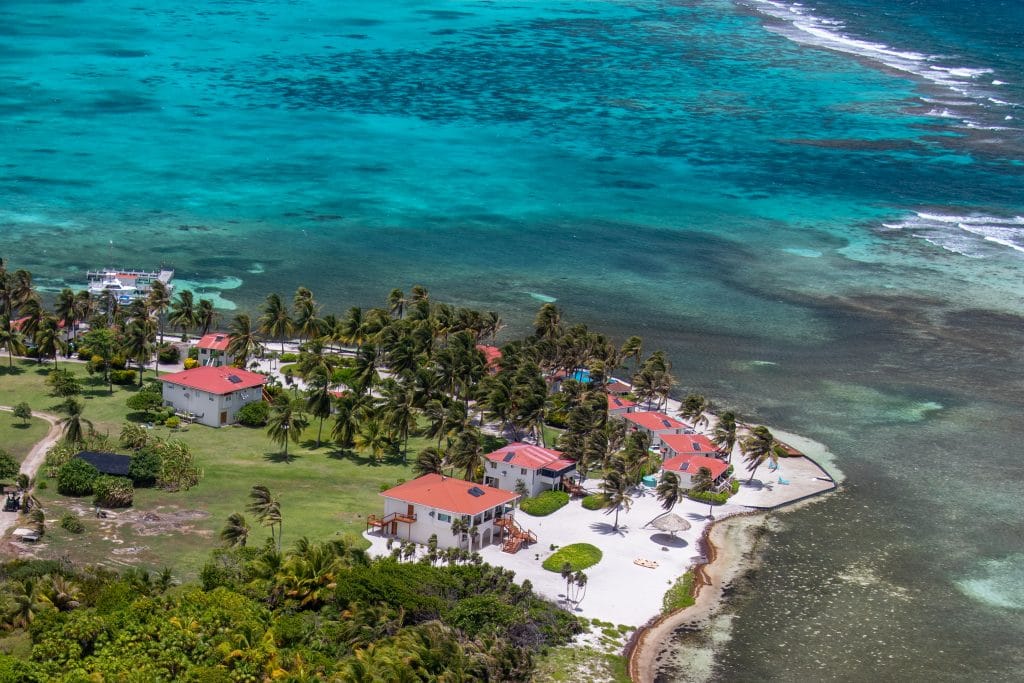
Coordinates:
680	595
544	503
595	501
578	556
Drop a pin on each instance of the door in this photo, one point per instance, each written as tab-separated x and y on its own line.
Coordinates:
223	417
410	511
394	528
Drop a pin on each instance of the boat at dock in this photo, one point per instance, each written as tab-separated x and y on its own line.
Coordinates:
127	285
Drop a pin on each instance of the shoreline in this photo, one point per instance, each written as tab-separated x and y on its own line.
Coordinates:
726	545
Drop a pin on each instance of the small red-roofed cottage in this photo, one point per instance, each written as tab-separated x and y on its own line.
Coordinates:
212	395
655	425
418	509
492	354
686	466
673	445
620	406
538	468
617	388
213	349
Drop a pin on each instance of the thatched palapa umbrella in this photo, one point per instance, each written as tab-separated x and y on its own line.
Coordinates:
672	523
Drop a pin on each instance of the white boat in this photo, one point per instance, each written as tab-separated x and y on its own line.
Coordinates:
127	285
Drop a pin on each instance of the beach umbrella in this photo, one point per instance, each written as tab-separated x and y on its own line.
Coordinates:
672	523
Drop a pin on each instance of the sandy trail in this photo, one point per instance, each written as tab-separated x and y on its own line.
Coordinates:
30	465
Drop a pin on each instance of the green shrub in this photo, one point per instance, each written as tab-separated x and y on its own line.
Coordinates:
118	363
76	478
734	486
122	376
144	469
70	522
545	503
172	422
708	497
193	352
680	595
113	492
594	501
288	357
145	401
168	353
578	555
254	414
42	486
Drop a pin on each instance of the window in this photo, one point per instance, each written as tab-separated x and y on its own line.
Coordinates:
522	470
441	517
494	465
477	519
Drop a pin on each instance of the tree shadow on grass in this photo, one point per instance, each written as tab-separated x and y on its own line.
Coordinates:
139	417
279	456
21	425
354	457
16	370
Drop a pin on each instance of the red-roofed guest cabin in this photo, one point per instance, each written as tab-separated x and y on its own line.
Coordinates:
213	349
212	395
427	506
617	405
656	425
673	445
686	466
540	469
493	356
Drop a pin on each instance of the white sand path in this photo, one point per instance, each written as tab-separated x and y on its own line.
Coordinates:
30	465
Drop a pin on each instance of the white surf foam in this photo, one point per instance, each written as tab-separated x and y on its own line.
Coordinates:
802	26
970	235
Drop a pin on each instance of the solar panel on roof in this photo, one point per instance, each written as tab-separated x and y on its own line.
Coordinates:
476	492
234	379
696	446
509	456
666	423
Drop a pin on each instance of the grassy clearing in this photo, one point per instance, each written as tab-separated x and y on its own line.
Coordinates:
578	555
545	503
16	437
324	492
571	664
680	595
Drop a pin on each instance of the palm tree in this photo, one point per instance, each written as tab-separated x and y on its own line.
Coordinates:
669	490
138	342
615	489
274	321
350	410
373	436
267	510
27	601
183	312
548	322
66	310
467	453
242	340
158	301
22	290
206	316
307	323
48	339
286	422
235	533
353	327
725	433
399	413
12	339
694	408
396	303
73	422
61	593
318	398
758	447
429	461
703	481
633	348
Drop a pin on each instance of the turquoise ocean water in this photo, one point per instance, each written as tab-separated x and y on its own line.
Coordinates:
816	208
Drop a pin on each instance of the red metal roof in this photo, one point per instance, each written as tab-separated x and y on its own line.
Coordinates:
449	494
216	380
491	353
655	422
689	444
525	455
617	387
215	341
618	403
691	463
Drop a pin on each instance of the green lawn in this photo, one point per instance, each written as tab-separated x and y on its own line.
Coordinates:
16	437
323	492
578	555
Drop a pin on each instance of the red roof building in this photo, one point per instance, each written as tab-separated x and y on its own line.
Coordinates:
619	406
656	422
216	380
215	341
456	496
538	469
616	387
673	445
689	464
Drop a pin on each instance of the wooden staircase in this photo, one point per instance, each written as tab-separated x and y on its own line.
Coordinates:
575	490
515	536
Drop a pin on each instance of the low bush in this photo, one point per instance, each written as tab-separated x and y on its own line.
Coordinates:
123	377
594	501
145	467
193	353
168	353
734	486
579	556
118	363
709	497
113	492
172	422
76	478
544	503
70	522
254	414
191	363
288	357
680	595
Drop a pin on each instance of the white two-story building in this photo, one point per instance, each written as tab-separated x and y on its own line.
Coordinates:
655	425
212	395
418	509
213	349
538	468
